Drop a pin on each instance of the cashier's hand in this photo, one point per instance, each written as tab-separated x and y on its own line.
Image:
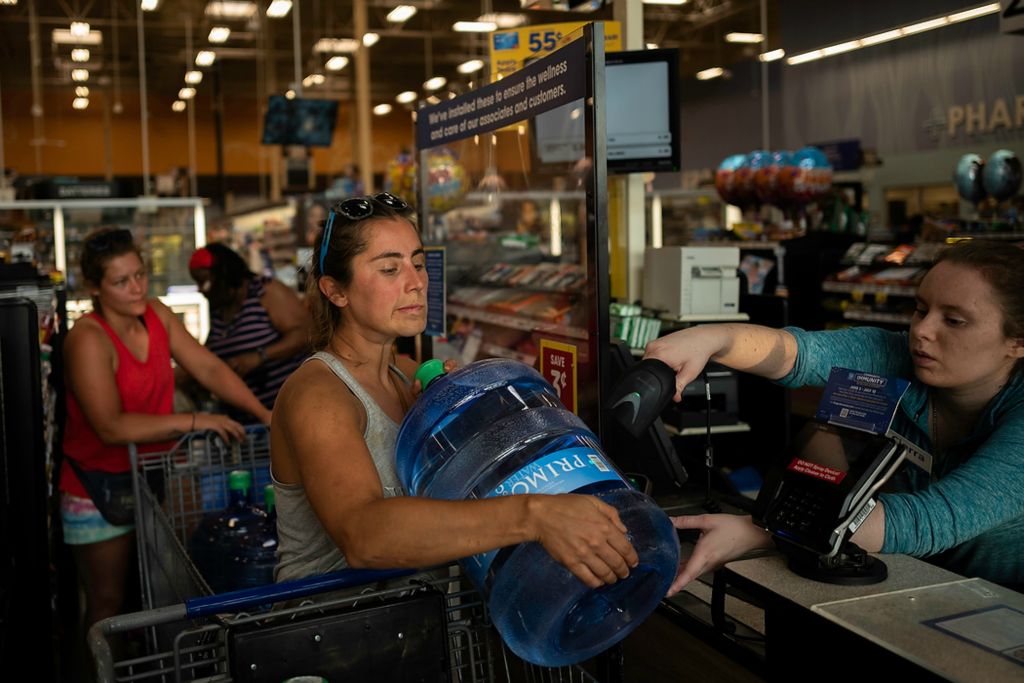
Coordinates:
450	365
686	351
583	534
723	538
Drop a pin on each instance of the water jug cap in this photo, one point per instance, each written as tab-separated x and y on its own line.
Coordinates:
240	480
430	371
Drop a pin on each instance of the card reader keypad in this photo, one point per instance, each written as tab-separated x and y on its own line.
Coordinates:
799	509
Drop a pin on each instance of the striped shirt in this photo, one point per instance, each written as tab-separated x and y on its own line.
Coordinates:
247	332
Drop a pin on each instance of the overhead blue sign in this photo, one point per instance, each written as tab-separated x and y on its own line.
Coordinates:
555	80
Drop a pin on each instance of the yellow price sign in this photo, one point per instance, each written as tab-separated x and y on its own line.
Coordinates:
511	50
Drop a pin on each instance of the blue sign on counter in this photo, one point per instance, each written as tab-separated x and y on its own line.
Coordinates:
861	400
436	291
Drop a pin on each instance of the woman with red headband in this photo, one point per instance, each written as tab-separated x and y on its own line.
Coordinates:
258	326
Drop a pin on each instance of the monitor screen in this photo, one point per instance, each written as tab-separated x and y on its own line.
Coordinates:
642	116
305	122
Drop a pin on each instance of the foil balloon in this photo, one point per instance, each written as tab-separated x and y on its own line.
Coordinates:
446	180
746	190
725	178
766	177
968	178
808	179
400	177
1001	176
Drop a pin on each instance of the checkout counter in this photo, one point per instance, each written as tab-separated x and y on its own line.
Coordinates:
782	618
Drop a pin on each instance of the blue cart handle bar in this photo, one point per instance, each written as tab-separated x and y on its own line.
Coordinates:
288	590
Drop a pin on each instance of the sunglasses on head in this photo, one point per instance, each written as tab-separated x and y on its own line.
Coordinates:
357	209
106	240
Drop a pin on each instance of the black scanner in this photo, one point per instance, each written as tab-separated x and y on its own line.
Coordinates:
640	396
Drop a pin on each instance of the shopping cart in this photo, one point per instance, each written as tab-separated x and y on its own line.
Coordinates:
352	625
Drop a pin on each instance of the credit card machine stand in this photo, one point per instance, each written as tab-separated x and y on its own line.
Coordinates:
815	500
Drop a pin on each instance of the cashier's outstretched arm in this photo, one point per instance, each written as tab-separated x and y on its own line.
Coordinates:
723	538
759	350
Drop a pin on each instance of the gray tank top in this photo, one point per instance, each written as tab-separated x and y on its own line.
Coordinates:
304	548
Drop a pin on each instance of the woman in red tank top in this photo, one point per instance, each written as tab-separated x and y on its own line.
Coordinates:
120	391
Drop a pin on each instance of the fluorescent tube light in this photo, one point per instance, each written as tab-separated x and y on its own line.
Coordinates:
435	83
708	74
336	63
772	55
401	13
333	45
80	54
205	57
744	38
231	9
405	97
80	102
79	29
62	36
219	34
186	93
148	5
382	109
80	75
503	19
193	77
82	91
178	105
279	8
470	67
370	39
474	26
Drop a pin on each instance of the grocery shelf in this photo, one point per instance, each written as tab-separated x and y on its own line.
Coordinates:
502	352
868	288
870	316
516	323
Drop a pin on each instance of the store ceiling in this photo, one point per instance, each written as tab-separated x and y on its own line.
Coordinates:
258	56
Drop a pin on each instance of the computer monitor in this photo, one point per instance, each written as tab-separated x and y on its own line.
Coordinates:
305	122
641	116
653	455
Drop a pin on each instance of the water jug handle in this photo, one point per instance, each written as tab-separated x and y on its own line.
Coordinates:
236	601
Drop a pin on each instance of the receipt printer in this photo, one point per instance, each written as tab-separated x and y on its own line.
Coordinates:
682	282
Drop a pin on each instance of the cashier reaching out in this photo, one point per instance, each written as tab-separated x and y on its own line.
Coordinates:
965	405
339	501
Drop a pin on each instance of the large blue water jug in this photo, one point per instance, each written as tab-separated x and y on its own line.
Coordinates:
494	428
236	547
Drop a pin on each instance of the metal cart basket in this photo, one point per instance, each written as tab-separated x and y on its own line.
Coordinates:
352	625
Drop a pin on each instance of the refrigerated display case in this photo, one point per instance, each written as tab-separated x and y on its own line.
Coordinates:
168	229
521	238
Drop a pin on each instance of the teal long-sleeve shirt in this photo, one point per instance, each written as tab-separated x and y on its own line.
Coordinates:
968	515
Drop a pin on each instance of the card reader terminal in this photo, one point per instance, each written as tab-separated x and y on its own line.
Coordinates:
822	491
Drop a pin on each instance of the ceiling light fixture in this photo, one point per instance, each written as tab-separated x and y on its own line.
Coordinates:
708	74
80	54
336	63
148	5
231	9
435	83
405	97
178	105
747	38
433	99
503	19
382	109
219	34
665	2
186	93
474	26
80	102
401	13
8	2
289	94
370	39
332	45
193	77
79	29
82	91
772	55
652	46
205	57
62	36
894	34
279	9
313	79
470	67
80	75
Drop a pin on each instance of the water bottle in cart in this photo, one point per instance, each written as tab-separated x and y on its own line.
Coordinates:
252	559
223	538
494	428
